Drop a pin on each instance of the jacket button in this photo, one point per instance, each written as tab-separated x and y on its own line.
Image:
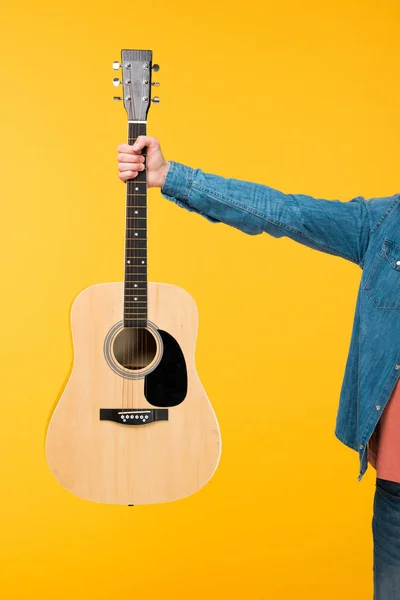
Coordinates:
361	446
397	367
378	407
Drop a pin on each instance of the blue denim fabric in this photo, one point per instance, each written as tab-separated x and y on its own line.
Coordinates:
363	231
386	536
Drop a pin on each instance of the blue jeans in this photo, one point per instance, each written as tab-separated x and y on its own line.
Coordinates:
386	537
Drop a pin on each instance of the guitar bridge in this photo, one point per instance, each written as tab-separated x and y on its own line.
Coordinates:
133	416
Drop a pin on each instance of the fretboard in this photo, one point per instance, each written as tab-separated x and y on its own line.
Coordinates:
135	281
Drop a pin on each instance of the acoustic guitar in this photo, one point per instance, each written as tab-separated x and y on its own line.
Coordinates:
133	424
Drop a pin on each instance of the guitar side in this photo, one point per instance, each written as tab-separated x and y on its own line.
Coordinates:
119	463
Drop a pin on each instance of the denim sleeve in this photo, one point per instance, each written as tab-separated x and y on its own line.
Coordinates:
331	226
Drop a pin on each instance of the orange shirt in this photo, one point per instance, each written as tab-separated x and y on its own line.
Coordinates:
384	446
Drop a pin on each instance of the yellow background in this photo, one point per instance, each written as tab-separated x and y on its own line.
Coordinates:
302	96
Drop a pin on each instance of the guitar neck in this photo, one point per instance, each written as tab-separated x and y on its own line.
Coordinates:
135	279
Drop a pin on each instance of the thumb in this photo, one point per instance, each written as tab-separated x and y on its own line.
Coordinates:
142	141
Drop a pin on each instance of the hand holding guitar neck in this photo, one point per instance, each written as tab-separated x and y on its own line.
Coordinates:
131	161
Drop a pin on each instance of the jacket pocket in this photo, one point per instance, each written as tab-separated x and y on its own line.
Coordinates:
383	281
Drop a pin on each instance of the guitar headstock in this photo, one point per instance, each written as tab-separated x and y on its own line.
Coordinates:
136	82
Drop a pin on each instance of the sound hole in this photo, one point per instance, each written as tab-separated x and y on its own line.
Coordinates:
134	348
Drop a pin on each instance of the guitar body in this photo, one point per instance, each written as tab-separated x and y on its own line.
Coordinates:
106	442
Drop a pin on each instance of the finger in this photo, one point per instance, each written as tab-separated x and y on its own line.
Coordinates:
127	175
126	148
131	158
130	167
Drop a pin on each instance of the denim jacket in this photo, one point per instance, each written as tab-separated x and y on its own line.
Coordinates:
364	231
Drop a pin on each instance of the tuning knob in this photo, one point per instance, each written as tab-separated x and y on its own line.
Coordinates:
156	67
155	99
116	98
155	83
116	65
116	81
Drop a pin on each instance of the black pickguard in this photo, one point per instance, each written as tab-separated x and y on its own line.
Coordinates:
167	384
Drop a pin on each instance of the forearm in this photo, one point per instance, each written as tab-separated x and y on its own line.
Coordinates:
332	226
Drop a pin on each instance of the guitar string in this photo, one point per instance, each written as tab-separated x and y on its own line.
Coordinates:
136	331
143	331
131	331
123	332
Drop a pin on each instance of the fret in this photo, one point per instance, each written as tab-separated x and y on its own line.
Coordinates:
137	277
142	319
136	195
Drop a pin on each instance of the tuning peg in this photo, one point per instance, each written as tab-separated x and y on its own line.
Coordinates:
155	99
116	65
156	67
116	81
155	83
116	98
